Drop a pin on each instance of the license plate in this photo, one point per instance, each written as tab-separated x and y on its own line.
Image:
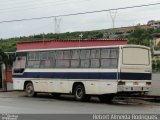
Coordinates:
135	83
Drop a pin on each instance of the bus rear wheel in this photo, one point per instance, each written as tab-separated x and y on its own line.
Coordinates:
106	98
79	93
29	89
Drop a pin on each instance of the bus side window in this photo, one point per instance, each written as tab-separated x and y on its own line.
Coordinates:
109	58
33	60
75	61
45	60
85	58
20	64
95	55
52	59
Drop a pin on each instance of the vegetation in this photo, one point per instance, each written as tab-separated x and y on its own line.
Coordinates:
3	57
139	36
9	45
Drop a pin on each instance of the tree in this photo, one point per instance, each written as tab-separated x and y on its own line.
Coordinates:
140	36
3	56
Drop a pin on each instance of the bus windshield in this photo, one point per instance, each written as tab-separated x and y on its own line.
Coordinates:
20	64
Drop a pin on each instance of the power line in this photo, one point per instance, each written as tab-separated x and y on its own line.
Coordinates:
47	4
36	4
81	13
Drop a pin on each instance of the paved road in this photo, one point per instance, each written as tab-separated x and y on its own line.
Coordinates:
16	102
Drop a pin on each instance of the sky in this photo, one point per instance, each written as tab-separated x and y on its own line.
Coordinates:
21	9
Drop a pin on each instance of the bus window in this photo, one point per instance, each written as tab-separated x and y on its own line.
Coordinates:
105	53
85	54
62	63
135	56
45	64
85	63
75	63
105	63
109	58
44	55
95	63
52	59
59	54
94	58
66	54
95	53
34	56
75	54
45	60
85	59
33	64
33	60
113	53
20	64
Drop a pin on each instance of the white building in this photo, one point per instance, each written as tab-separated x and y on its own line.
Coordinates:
154	24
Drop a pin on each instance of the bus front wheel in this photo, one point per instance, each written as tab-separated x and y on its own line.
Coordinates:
79	93
29	89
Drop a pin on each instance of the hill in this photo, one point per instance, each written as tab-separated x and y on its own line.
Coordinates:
136	35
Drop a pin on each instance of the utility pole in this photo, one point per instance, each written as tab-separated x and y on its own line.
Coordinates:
57	22
113	17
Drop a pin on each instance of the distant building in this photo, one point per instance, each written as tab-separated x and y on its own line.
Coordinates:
154	24
123	31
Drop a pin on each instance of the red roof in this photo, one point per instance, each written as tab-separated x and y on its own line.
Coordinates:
67	43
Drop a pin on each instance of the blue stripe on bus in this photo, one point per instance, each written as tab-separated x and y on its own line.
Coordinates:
135	76
69	75
86	75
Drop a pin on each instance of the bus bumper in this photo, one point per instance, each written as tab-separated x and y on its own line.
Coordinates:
133	88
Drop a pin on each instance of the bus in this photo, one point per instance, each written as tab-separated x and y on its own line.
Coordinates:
102	71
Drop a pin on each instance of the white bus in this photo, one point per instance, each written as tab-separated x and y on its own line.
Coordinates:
84	71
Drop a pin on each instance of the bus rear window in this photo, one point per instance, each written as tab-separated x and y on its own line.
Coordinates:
135	56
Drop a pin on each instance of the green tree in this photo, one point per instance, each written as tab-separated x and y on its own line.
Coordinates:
3	56
140	37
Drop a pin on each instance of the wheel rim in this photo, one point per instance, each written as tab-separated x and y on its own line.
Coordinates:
29	90
79	93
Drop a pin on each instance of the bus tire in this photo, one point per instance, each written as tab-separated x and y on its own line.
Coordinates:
29	90
79	93
106	98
